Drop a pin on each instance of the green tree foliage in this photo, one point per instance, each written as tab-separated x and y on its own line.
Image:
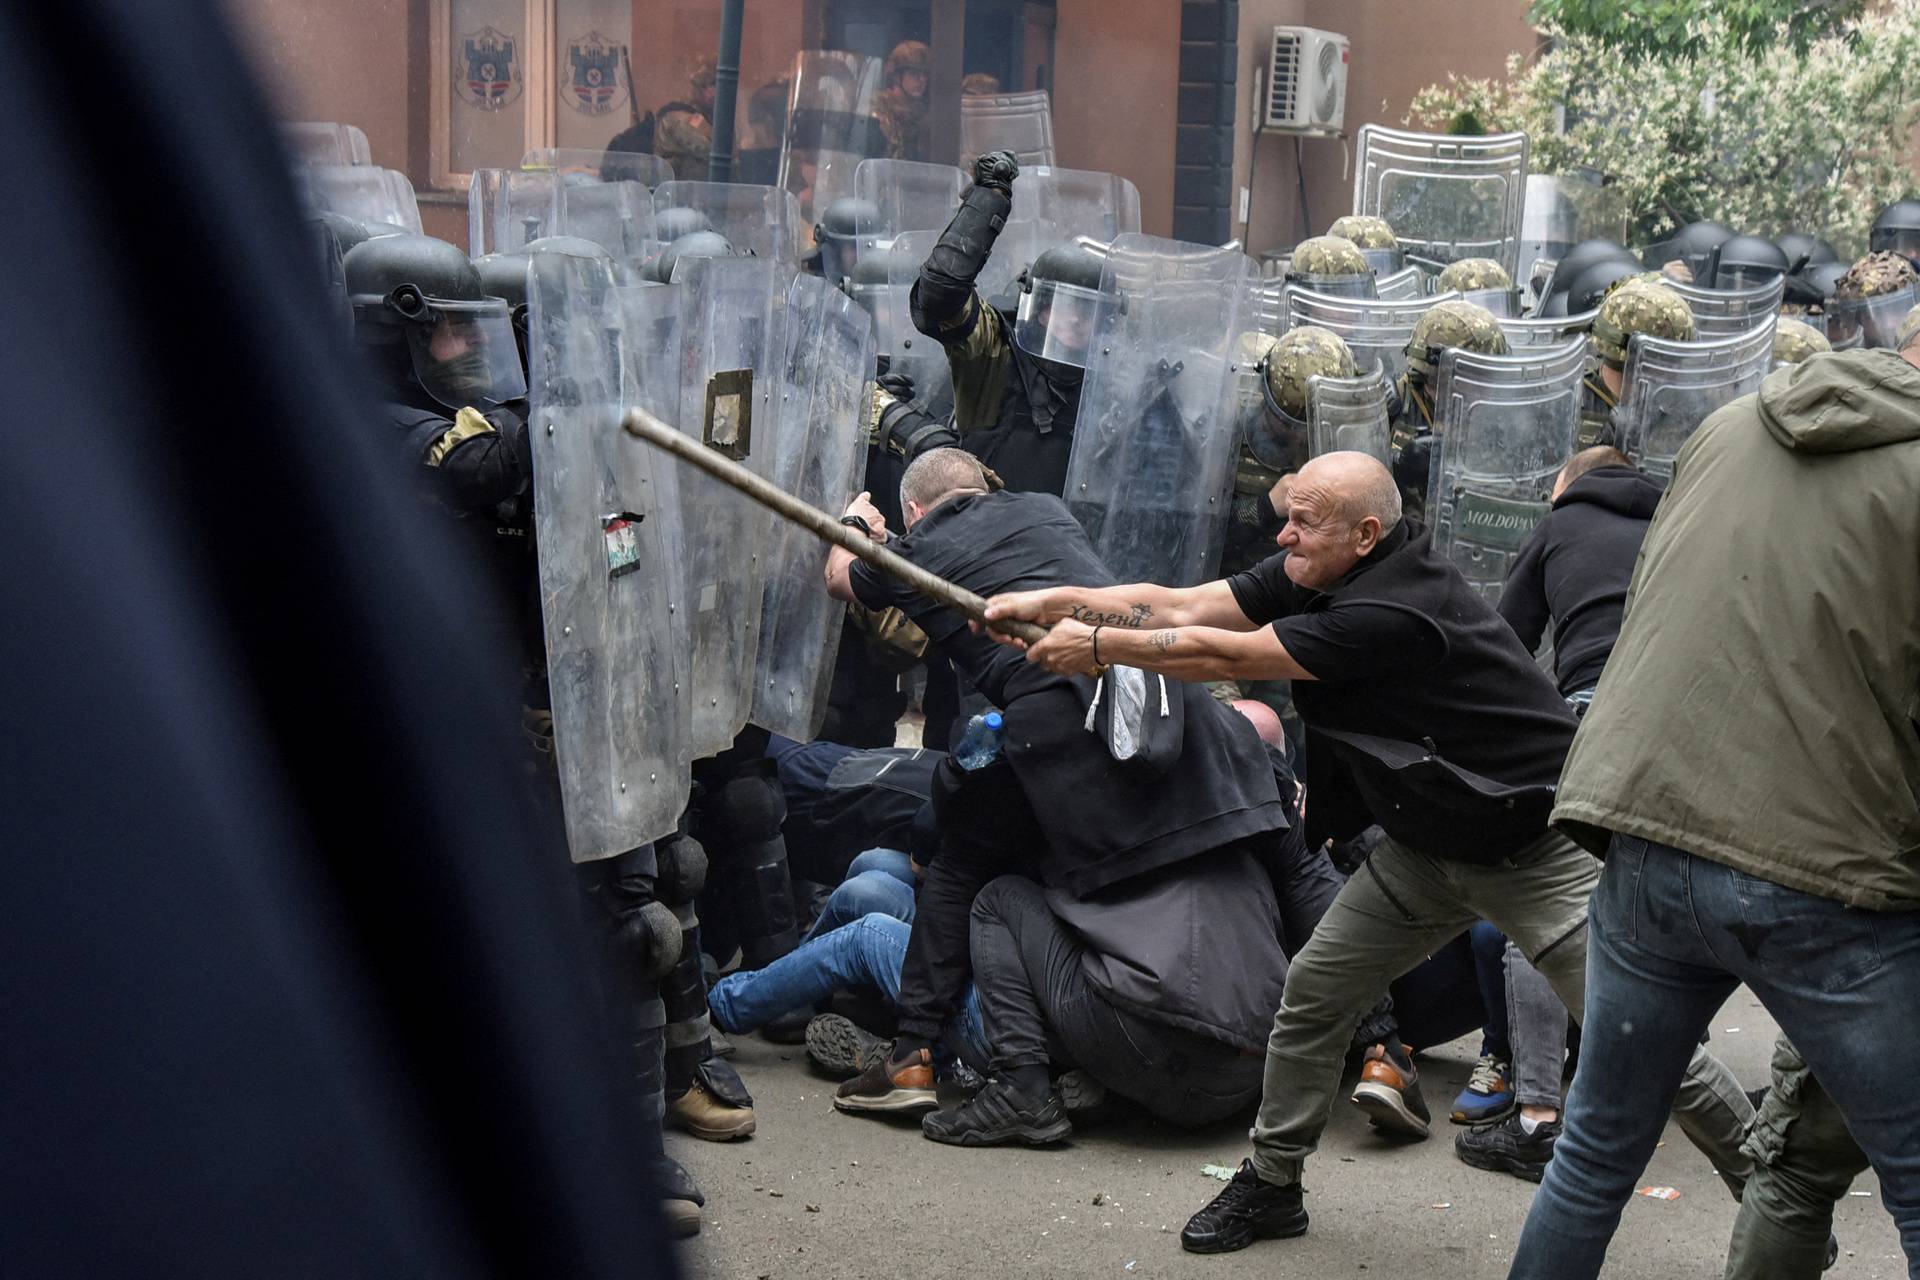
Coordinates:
1764	137
1673	28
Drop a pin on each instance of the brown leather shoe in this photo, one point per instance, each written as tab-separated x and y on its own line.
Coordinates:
891	1086
705	1116
1390	1094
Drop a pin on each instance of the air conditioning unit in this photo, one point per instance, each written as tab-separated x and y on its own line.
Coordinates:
1307	81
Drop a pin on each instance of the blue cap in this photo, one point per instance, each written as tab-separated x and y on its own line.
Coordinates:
992	719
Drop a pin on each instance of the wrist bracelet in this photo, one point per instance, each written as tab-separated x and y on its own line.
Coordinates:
855	522
1096	645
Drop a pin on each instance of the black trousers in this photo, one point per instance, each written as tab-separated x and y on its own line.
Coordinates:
1038	1006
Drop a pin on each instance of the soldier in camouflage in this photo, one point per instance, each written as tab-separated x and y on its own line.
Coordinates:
1331	264
683	131
1470	275
1273	441
1638	304
1447	324
1870	300
1795	340
1375	239
901	107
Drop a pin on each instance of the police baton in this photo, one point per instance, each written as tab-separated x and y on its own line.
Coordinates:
644	426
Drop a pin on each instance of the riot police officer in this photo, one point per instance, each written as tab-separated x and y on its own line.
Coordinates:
1897	230
1374	238
1795	340
1274	441
1870	300
1016	379
1446	324
1639	304
1481	281
1332	265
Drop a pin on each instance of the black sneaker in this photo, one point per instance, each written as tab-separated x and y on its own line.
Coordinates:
1249	1209
841	1047
1507	1148
998	1116
1084	1097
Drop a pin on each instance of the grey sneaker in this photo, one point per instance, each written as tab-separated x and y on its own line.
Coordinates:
839	1047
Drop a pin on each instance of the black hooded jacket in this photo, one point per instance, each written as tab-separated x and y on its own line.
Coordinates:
1575	569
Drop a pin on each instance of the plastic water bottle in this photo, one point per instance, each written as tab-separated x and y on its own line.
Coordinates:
980	744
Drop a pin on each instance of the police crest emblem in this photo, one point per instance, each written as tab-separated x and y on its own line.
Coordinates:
487	68
594	87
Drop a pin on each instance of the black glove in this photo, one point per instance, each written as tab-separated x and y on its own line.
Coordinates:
897	385
996	171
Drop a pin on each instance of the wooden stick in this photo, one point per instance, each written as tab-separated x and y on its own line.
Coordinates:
644	426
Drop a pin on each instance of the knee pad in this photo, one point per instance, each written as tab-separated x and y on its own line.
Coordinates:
652	937
747	876
683	869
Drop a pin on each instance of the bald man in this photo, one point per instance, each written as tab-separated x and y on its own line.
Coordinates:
1425	715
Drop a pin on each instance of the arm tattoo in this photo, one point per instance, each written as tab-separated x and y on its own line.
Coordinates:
1162	640
1094	618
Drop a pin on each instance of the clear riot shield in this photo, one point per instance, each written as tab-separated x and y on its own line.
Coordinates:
904	195
908	351
1503	428
1373	329
761	221
603	166
831	127
1560	212
733	354
617	216
1350	415
819	450
1076	202
1723	313
1544	331
366	192
1014	249
315	142
1018	122
1154	448
602	520
507	208
1446	198
1868	322
1670	388
1400	286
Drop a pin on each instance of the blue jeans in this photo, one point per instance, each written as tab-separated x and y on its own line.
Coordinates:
1672	935
866	953
874	886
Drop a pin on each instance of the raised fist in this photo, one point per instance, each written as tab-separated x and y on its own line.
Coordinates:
996	171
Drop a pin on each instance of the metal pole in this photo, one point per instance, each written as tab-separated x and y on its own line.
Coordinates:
726	91
644	426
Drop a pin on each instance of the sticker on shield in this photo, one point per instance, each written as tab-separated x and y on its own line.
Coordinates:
1499	524
622	531
486	68
593	74
729	422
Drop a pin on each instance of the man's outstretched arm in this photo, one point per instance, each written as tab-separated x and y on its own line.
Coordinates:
1140	607
1191	653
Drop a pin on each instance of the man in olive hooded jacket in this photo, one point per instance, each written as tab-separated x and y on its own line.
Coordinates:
1750	766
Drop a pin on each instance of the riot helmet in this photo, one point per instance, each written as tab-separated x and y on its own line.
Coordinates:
1811	288
1805	250
1375	239
680	220
1481	281
1692	244
504	275
1452	323
1279	439
349	233
1897	230
1795	340
837	235
1586	290
1744	261
1061	305
1577	259
698	244
1331	265
424	294
1870	300
1639	306
1552	307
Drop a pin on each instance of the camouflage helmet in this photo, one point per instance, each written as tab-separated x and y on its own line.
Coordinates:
1795	340
1909	328
1873	275
1365	231
1453	324
1328	256
1307	351
1637	306
1471	274
908	55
